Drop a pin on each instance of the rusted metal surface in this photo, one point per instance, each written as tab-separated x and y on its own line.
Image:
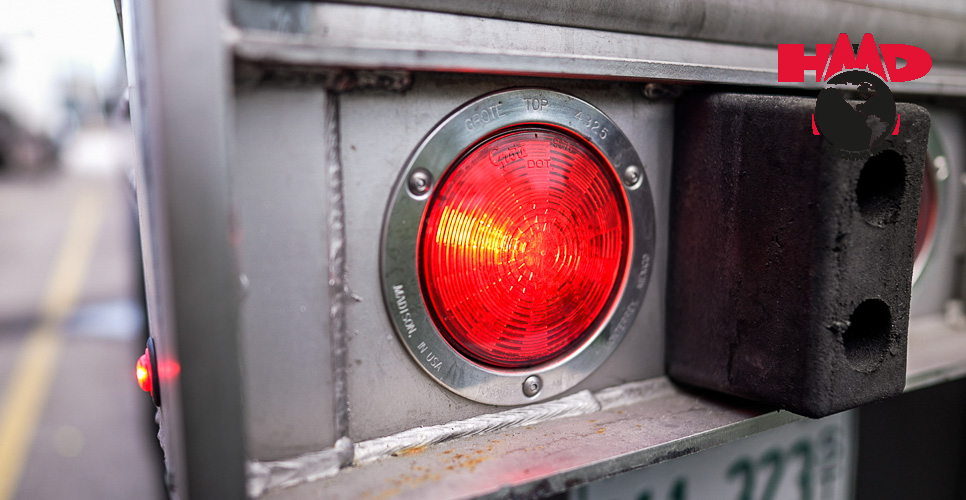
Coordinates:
549	457
662	422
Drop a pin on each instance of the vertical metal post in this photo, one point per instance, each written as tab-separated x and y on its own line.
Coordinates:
180	74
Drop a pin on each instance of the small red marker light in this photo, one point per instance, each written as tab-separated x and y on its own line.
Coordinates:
147	373
143	372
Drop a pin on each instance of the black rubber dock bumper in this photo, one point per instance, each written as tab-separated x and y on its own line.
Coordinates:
790	266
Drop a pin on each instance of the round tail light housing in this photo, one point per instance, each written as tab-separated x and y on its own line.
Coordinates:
518	246
933	204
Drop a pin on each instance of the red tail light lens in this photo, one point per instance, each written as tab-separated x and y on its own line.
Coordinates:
928	210
143	372
523	247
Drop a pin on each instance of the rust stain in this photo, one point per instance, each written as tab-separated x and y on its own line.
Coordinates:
600	430
411	451
592	421
449	460
465	461
471	464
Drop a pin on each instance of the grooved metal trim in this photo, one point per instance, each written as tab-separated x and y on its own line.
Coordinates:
349	36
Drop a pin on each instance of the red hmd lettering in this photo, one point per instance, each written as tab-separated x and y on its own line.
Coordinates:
792	61
918	61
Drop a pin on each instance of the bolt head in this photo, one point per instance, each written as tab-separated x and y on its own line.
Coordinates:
942	168
632	176
420	181
532	386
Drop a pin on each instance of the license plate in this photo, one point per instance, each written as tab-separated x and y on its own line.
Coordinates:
807	460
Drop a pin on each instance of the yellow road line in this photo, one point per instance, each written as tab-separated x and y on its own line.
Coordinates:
26	393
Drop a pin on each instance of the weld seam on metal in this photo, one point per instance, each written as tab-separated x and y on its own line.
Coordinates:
634	392
266	476
279	474
581	403
337	283
577	404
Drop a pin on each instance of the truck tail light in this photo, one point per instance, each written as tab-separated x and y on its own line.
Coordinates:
518	246
524	247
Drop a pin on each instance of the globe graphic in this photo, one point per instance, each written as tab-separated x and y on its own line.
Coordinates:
855	126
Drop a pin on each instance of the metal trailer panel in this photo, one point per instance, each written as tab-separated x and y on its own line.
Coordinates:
388	392
938	27
280	196
342	36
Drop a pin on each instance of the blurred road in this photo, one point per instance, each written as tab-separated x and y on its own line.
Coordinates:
73	423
